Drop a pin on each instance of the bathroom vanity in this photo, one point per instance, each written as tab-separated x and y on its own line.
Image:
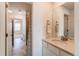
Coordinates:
62	26
57	48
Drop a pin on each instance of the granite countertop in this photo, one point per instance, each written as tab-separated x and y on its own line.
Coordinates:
67	46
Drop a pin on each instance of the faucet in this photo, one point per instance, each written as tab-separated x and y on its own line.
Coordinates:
64	38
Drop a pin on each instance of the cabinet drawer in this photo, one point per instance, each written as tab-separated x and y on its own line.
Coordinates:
63	53
53	49
44	44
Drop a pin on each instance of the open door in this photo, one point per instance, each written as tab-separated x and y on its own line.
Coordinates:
2	28
8	31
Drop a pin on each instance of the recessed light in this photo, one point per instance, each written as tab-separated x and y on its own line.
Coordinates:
20	11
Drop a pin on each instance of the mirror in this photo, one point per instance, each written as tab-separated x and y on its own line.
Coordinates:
68	26
63	20
69	21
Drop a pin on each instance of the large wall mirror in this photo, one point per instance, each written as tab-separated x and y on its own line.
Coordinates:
69	20
68	26
63	20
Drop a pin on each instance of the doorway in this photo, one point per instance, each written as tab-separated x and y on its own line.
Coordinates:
19	41
18	30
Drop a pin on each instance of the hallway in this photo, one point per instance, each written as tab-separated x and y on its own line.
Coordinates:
19	48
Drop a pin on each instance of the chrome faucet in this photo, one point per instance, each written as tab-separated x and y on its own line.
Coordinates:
64	38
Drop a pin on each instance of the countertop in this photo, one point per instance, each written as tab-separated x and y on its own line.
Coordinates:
67	46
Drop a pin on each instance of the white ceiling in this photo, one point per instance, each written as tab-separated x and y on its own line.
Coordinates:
69	5
29	3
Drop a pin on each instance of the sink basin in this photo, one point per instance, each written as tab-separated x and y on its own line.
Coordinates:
69	42
56	39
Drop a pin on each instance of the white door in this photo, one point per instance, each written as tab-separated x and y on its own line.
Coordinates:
9	32
2	28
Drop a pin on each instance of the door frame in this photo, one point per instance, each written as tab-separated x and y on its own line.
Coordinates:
6	31
66	16
2	28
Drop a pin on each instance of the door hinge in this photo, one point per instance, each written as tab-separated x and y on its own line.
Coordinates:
6	5
6	35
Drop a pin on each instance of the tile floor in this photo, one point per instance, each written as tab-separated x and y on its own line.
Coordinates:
19	48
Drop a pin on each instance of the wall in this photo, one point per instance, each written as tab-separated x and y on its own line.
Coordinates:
20	5
41	13
2	29
76	29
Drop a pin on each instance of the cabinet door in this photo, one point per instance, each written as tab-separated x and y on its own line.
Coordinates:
62	53
44	51
50	53
44	44
53	49
44	48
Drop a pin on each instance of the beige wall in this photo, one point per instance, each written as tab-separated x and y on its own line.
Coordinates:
41	13
20	5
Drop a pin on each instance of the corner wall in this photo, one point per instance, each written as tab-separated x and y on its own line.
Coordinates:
41	13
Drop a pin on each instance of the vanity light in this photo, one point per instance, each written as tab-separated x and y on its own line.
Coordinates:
57	4
10	11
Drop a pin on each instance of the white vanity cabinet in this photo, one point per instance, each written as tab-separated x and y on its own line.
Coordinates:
44	48
51	50
62	53
54	50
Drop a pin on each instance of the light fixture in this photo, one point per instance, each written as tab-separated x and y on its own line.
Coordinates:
20	11
10	11
57	4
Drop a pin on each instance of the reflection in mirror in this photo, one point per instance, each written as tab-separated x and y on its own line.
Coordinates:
66	30
69	21
63	21
56	27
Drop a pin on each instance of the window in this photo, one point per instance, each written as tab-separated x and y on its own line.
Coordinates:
17	25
